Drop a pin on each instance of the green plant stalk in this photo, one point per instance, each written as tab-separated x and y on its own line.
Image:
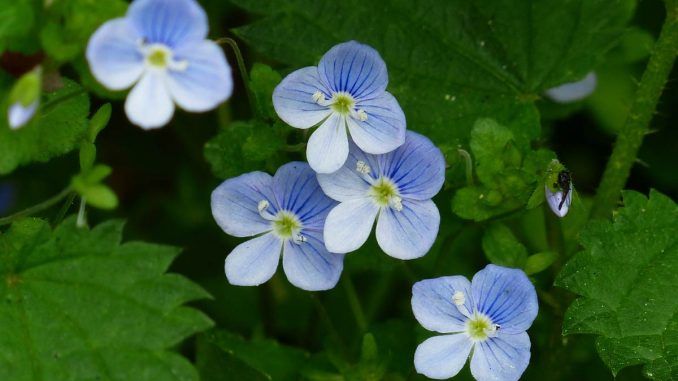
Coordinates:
638	120
354	302
243	72
37	208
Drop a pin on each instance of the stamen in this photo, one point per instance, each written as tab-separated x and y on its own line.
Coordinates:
263	205
362	115
299	239
263	212
459	298
318	96
397	203
178	65
362	167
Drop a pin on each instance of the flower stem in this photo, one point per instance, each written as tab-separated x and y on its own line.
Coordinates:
82	214
354	302
37	208
638	120
243	72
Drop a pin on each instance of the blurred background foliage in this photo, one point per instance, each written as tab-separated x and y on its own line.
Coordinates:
163	180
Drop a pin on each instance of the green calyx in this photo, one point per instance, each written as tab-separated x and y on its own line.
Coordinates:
286	225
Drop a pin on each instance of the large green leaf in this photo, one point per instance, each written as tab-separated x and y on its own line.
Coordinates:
58	127
450	62
79	305
627	277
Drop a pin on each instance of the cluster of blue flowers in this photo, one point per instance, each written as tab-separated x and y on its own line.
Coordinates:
364	168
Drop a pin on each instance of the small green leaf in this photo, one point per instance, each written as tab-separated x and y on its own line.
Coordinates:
100	196
88	154
99	121
502	248
626	278
80	305
539	262
263	80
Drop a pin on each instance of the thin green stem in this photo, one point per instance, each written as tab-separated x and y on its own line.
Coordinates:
638	120
468	161
82	214
354	302
243	72
64	209
36	208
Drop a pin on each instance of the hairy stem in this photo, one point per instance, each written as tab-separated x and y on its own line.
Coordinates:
638	120
243	72
37	208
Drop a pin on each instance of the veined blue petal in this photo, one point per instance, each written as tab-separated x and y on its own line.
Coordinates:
149	105
113	55
442	357
235	204
309	266
19	115
169	22
434	307
207	80
506	296
253	262
355	68
574	91
384	129
296	188
555	201
417	167
327	148
410	232
501	358
293	99
347	183
349	224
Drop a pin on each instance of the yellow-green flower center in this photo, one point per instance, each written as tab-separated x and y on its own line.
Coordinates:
286	225
343	103
479	327
385	193
158	57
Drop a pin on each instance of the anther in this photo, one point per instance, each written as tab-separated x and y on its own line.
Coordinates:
263	205
362	115
318	97
459	298
362	167
397	203
300	239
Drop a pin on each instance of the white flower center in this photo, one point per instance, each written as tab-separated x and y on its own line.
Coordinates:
479	327
342	103
285	224
383	191
159	56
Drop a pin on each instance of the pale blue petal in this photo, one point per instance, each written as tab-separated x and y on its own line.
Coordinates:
349	224
235	204
433	304
347	183
355	68
149	104
169	22
206	82
410	232
554	200
297	190
384	129
19	115
113	55
417	167
574	91
501	358
327	148
309	266
293	99
442	357
253	262
507	296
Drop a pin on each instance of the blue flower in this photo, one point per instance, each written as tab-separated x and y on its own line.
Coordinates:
347	90
286	213
573	91
555	200
18	114
396	189
160	48
486	319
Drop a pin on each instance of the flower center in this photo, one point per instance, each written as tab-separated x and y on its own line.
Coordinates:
479	327
286	225
342	103
385	193
159	56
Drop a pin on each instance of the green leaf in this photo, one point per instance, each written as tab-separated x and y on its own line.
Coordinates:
99	121
263	80
627	277
502	248
266	359
17	18
465	60
80	305
539	262
59	128
88	154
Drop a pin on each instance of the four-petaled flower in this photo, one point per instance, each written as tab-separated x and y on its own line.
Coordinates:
347	90
485	319
160	47
286	213
396	189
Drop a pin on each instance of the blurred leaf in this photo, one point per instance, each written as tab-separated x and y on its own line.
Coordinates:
17	18
99	121
502	248
448	67
267	359
88	154
59	127
539	262
79	305
627	277
263	80
216	365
